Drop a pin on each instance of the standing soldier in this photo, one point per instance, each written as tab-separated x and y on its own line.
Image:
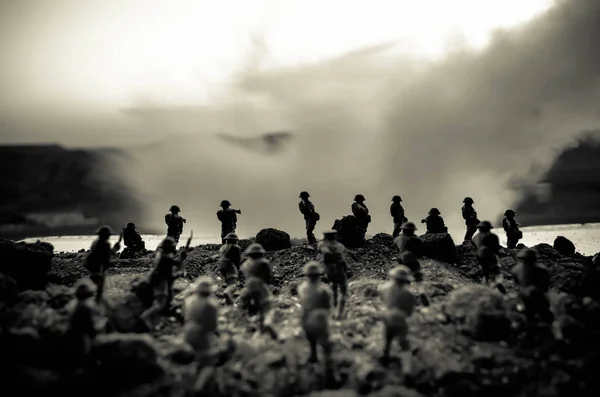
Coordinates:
97	260
229	264
257	292
488	246
511	227
470	216
435	223
162	277
361	212
311	217
315	299
399	304
132	239
335	267
397	213
410	249
174	223
228	218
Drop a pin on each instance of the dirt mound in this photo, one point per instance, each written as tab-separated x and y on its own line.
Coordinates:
348	231
564	245
273	239
27	264
439	246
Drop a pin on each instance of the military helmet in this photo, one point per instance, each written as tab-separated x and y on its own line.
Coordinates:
304	195
509	213
225	203
167	243
434	211
313	268
231	236
484	225
255	248
408	226
396	198
527	254
468	200
85	288
175	208
203	285
104	231
359	197
401	273
131	225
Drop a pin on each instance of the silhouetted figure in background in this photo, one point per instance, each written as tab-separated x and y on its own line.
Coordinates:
98	259
229	264
315	299
361	212
132	239
228	218
311	217
511	227
470	216
174	223
399	304
409	243
397	213
336	268
162	277
435	223
488	247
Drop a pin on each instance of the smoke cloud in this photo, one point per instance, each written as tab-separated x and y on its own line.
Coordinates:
379	124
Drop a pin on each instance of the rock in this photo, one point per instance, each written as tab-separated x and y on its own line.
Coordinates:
564	246
383	238
566	273
8	291
123	313
439	246
396	391
27	264
348	232
127	360
273	239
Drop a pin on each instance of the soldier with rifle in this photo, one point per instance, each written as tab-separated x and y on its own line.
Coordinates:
98	258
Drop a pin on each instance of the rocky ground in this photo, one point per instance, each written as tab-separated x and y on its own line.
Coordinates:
469	341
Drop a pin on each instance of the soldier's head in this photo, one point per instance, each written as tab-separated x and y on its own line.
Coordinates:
85	289
484	226
104	232
204	286
434	211
401	274
408	228
509	213
359	198
175	209
225	204
255	251
330	234
168	245
231	238
487	256
313	270
396	199
131	226
527	255
468	201
304	195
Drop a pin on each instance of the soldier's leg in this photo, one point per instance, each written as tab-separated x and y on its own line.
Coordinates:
150	316
471	229
388	339
343	290
266	319
312	341
231	286
334	289
406	355
396	231
101	278
310	228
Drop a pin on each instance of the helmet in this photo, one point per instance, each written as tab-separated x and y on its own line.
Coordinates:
509	213
175	208
313	268
225	203
401	273
232	236
167	243
203	285
104	231
85	288
408	226
434	211
131	225
396	198
332	232
484	225
359	197
468	200
527	254
304	195
255	248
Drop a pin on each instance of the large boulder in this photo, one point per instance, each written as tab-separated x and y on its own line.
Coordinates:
566	272
439	246
273	239
564	245
348	232
27	264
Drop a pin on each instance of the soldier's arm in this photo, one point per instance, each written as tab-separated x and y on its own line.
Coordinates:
220	215
268	273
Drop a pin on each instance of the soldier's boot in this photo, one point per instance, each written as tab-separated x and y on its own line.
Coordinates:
266	328
341	307
313	357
